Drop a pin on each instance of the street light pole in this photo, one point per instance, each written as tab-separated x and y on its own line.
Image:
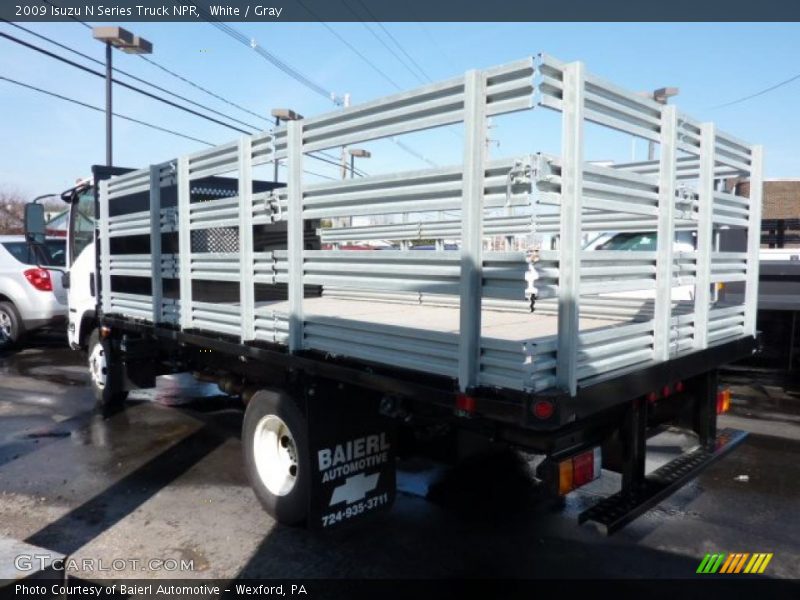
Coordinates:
123	39
359	152
109	135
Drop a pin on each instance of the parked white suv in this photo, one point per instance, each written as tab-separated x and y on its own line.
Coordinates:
31	296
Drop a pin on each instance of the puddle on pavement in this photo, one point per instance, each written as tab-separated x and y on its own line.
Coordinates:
180	389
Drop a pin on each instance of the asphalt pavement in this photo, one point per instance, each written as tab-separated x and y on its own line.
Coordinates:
162	480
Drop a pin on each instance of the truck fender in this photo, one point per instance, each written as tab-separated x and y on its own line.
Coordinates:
85	326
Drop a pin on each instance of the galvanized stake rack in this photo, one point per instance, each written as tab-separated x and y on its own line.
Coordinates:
460	313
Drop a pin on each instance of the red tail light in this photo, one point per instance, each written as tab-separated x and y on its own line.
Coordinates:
465	404
40	279
543	409
579	470
582	469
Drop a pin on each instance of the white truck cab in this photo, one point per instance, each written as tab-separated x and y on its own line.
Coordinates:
645	241
82	283
82	288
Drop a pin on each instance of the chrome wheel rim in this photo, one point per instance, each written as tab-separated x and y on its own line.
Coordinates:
97	365
5	326
275	453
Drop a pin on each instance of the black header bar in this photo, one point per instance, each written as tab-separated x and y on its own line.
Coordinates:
120	11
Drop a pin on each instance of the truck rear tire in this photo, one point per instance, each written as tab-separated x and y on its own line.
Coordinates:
277	455
105	372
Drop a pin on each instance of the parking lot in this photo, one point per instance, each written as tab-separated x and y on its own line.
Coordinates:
163	479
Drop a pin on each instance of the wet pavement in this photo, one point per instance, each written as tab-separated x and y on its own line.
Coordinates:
163	479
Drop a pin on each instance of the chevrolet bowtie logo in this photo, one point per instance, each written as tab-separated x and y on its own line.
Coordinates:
354	488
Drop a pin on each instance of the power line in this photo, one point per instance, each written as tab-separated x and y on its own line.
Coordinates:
200	87
359	172
381	40
320	175
335	162
396	43
425	76
420	79
413	152
437	46
97	108
761	93
121	83
241	38
402	49
277	62
176	75
127	118
74	18
134	77
349	45
12	38
400	144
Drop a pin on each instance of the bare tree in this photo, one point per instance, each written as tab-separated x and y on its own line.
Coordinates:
12	210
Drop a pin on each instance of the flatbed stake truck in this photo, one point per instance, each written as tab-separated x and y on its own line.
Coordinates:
199	264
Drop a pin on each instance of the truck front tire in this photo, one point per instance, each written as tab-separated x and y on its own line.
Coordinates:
105	372
277	456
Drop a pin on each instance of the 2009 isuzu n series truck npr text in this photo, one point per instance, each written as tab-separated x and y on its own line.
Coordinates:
198	264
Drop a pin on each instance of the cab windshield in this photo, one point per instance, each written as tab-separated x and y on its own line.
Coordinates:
81	224
685	241
630	241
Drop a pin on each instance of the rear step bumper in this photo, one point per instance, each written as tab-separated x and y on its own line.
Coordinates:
614	512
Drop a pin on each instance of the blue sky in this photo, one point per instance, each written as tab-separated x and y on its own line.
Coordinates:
47	143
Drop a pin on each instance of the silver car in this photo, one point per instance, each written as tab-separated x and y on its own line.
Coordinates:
31	295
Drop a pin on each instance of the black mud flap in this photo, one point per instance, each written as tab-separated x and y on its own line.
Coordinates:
353	459
139	362
613	513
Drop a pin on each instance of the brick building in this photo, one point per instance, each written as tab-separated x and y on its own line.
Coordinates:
781	198
781	212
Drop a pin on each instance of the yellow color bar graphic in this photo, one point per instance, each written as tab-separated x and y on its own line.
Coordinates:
758	563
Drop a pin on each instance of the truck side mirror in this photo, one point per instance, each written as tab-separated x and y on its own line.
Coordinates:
34	223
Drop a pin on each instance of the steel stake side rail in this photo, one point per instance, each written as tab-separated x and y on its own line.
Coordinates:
215	238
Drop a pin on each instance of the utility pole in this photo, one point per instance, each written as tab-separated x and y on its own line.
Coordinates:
345	104
343	221
275	162
661	95
127	42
